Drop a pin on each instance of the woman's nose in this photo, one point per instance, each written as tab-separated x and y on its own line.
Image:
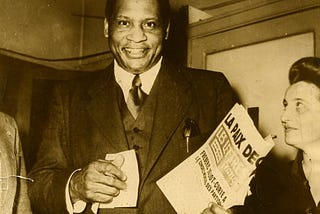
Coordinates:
284	116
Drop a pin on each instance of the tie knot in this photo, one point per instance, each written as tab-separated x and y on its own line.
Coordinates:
136	96
136	82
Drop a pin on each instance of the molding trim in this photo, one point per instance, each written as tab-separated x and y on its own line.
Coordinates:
85	63
246	14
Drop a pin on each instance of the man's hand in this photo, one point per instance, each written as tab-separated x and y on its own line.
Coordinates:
216	209
100	181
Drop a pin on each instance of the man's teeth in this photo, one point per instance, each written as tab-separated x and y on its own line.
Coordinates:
135	50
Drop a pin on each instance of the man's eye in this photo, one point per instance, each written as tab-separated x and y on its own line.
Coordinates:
123	23
150	25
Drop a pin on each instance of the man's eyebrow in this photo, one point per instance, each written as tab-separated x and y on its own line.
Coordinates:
127	17
121	17
152	18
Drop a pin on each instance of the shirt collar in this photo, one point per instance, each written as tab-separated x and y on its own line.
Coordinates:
124	78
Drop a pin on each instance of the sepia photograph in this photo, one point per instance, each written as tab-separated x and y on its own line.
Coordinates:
160	106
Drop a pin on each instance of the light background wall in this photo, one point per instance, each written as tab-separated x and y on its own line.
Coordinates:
255	46
259	73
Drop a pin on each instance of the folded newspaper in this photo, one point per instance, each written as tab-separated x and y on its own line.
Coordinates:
221	169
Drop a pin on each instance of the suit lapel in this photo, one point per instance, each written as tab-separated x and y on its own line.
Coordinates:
104	110
173	100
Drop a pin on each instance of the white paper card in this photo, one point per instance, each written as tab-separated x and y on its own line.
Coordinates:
129	196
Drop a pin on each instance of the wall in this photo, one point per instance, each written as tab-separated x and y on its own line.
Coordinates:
57	33
54	33
40	28
245	26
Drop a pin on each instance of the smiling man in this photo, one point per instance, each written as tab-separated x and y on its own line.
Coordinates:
136	34
142	102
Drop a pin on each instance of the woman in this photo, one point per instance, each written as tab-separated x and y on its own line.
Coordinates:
13	187
297	188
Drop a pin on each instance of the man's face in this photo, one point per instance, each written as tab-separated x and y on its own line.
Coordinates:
136	34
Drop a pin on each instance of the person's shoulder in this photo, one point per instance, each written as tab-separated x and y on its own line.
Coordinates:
83	77
272	178
202	73
273	169
82	80
7	120
8	130
202	78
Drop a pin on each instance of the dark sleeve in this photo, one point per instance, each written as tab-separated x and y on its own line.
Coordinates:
214	94
252	204
50	172
226	97
269	190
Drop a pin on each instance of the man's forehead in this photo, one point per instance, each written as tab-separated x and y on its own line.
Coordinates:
148	5
137	10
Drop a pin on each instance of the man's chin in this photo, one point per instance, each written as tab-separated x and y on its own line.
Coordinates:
136	68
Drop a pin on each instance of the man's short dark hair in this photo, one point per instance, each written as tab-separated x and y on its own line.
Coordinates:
164	6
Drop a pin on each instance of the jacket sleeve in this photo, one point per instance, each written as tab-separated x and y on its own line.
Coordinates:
269	193
226	97
50	172
214	93
22	199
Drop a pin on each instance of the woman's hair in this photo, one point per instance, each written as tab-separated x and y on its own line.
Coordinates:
305	69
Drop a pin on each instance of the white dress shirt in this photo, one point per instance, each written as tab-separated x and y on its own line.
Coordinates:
311	169
124	78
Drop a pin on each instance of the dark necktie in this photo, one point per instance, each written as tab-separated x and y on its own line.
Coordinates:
136	97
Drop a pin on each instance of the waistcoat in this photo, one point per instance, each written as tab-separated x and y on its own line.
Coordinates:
138	132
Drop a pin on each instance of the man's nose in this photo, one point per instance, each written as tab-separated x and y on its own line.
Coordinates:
137	34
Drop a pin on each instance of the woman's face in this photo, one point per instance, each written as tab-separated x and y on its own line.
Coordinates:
301	115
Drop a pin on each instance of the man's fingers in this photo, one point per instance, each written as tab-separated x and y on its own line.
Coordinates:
216	209
118	161
112	181
109	169
97	188
99	197
207	211
99	182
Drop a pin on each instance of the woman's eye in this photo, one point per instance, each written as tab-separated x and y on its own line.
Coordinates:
299	104
300	107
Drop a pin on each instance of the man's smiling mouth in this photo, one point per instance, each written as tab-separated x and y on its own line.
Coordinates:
135	52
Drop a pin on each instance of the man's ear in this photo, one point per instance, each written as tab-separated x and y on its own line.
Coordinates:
166	36
106	28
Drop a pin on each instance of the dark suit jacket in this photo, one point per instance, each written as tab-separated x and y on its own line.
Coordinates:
279	190
85	123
